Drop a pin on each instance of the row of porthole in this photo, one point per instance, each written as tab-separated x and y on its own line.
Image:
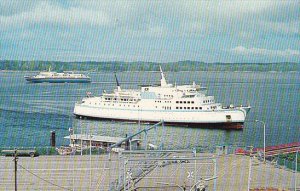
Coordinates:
188	102
160	101
123	105
189	108
115	99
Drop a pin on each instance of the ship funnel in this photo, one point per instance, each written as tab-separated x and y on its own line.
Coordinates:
163	81
118	85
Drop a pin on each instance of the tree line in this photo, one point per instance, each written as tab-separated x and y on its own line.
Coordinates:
143	66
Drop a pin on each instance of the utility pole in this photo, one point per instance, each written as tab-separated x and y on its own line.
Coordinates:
296	171
16	163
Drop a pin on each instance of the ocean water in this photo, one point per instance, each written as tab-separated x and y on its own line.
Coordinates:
29	112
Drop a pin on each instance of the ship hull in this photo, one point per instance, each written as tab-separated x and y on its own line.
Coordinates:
225	125
58	80
201	119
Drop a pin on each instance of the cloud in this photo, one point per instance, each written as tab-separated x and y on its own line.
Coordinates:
183	29
9	7
292	27
240	50
196	17
50	13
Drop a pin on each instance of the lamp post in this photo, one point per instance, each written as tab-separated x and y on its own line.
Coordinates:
264	138
296	170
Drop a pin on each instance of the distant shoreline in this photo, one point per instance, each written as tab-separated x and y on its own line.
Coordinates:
215	71
36	66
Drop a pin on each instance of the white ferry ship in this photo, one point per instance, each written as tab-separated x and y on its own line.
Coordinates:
54	77
174	104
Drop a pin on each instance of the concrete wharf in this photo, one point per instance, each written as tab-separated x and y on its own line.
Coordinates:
97	172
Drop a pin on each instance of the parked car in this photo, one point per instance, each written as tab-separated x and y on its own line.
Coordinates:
21	153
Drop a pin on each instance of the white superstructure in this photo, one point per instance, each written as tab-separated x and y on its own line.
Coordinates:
174	104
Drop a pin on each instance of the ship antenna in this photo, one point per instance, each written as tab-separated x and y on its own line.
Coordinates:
118	85
163	81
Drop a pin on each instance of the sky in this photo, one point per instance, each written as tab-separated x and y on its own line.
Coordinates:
151	31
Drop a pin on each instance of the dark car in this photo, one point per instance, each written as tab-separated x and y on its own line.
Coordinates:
21	153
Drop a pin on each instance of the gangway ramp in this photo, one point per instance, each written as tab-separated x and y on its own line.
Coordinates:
272	150
279	149
148	169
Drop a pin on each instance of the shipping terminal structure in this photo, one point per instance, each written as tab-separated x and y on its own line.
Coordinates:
184	105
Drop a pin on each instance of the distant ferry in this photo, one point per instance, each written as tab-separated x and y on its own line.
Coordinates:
54	77
174	104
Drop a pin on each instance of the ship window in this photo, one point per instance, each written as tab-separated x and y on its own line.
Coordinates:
192	107
188	107
180	107
188	102
180	101
177	101
200	107
176	107
228	116
192	101
184	102
196	107
184	108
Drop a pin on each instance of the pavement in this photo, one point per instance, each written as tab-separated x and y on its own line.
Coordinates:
98	172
